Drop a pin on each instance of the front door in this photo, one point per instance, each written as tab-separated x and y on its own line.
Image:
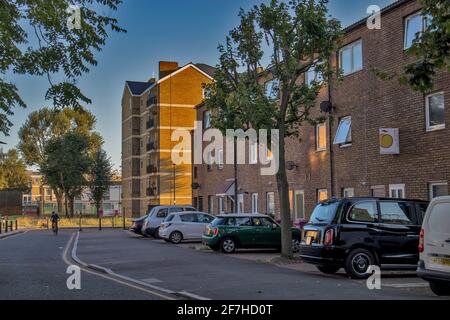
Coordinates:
299	205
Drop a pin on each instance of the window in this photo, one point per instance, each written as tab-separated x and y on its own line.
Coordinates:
364	212
262	222
348	192
322	195
350	58
414	26
195	202
254	203
203	218
438	189
243	222
220	159
270	203
378	191
195	172
344	132
253	152
421	209
200	204
221	205
312	75
396	213
210	204
207	119
272	88
438	221
162	213
299	204
321	137
240	203
397	191
209	161
434	111
191	217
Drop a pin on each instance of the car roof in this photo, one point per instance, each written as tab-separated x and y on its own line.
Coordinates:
189	212
242	215
353	199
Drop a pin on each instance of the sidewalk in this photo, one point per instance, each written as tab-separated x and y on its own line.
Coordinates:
12	233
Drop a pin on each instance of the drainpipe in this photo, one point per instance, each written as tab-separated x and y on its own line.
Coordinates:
331	141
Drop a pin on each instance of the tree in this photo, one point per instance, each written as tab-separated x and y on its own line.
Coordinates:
45	124
46	38
299	36
13	174
100	176
66	165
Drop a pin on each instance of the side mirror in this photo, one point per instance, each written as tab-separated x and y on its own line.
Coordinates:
274	226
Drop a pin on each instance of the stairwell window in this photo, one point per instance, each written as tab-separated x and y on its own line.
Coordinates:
254	203
220	159
351	58
312	75
272	89
344	132
207	119
253	152
435	111
321	137
270	203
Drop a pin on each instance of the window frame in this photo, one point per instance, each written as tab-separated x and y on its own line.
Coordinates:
254	196
352	58
377	212
412	209
313	70
220	159
253	156
347	143
405	27
205	124
318	194
436	183
400	186
431	128
344	190
318	148
272	194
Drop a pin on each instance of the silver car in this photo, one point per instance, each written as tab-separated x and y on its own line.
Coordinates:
184	226
157	215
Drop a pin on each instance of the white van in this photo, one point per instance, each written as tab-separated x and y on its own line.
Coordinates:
434	247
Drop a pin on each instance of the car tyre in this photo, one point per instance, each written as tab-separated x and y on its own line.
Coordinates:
328	269
440	288
156	233
176	237
357	263
296	244
228	245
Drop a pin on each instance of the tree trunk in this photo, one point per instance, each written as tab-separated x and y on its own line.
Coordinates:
59	200
66	205
97	207
283	192
72	205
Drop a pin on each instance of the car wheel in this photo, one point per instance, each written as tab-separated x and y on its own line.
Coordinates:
145	235
296	244
228	245
328	269
176	237
440	288
156	233
357	263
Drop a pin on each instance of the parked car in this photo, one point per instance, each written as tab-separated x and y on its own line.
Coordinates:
136	226
232	231
157	215
184	226
355	233
434	246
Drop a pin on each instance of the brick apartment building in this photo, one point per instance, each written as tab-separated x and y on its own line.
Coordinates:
151	111
350	155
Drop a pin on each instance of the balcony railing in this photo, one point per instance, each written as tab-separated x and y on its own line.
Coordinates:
150	123
152	100
151	146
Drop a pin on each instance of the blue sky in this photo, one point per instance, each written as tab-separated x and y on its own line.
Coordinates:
172	30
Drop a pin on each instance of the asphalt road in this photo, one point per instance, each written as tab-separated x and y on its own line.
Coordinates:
33	266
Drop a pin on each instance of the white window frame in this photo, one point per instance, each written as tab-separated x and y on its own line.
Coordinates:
253	145
270	193
349	141
220	159
241	201
346	191
319	191
296	193
221	201
352	59
255	201
271	94
437	183
312	70
427	112
396	188
207	119
318	126
405	29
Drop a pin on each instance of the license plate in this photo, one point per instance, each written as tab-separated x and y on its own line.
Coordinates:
440	260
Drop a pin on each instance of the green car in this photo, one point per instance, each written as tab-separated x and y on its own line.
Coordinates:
232	231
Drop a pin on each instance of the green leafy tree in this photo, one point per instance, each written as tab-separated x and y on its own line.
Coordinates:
45	124
100	176
13	174
67	162
299	35
44	38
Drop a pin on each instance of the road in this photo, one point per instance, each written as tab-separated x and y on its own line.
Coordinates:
33	266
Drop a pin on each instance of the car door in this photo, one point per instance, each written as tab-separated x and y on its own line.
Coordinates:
398	235
189	225
202	221
266	234
244	231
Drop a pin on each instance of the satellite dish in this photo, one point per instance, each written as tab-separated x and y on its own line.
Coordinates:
290	165
326	106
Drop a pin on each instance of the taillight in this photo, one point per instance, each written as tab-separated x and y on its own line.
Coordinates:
328	237
422	241
216	231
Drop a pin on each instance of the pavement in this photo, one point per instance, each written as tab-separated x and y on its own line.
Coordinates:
117	264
